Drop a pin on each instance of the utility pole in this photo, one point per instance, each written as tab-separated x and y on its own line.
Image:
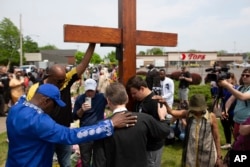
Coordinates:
21	42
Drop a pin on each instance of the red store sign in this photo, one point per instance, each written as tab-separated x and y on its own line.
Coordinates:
192	56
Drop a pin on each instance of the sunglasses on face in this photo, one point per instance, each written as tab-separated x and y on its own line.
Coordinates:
54	78
245	75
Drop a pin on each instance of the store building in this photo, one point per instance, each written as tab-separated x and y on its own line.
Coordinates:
192	59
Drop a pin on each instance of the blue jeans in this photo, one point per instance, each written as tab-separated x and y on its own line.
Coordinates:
63	153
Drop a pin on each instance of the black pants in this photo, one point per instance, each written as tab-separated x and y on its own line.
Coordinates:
86	150
228	125
2	103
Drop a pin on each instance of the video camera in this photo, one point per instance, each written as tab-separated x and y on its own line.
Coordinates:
217	73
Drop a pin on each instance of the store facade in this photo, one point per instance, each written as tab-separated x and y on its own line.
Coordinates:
191	59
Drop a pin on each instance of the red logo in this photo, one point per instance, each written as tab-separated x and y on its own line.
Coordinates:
183	56
193	56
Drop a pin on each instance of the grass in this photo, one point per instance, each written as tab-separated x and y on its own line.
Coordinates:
171	156
3	148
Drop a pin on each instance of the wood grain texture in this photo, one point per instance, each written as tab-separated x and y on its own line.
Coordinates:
88	34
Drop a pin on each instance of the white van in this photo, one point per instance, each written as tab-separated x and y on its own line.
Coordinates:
27	68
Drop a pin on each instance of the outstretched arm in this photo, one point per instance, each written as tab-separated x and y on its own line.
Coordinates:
80	68
229	102
236	93
175	113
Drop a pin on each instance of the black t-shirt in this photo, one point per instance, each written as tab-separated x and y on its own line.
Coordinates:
64	114
183	83
5	90
5	81
150	106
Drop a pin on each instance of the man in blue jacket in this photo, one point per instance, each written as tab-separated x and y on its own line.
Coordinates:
89	114
32	133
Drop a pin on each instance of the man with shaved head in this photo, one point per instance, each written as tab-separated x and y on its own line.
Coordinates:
58	76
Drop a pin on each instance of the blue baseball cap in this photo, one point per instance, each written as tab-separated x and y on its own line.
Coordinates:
52	92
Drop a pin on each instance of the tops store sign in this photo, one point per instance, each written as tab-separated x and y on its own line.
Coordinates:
192	56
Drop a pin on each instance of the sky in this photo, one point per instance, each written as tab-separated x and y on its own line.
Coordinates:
204	25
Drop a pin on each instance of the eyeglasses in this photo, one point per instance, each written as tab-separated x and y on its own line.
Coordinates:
245	75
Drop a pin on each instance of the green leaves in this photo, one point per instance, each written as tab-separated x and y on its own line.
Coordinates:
9	42
96	59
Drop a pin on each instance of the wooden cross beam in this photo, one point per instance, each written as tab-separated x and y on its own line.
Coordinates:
125	37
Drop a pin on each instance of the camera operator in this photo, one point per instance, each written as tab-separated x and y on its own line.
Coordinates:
242	97
152	77
216	74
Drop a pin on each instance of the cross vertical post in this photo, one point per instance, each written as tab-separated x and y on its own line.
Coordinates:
126	37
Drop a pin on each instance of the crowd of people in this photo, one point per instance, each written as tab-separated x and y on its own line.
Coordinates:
13	84
41	111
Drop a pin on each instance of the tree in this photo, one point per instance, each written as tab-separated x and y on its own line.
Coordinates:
154	51
95	59
221	52
142	53
48	47
9	43
112	57
78	56
248	55
29	46
157	51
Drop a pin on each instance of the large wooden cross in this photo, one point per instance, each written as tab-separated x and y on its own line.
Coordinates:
125	37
